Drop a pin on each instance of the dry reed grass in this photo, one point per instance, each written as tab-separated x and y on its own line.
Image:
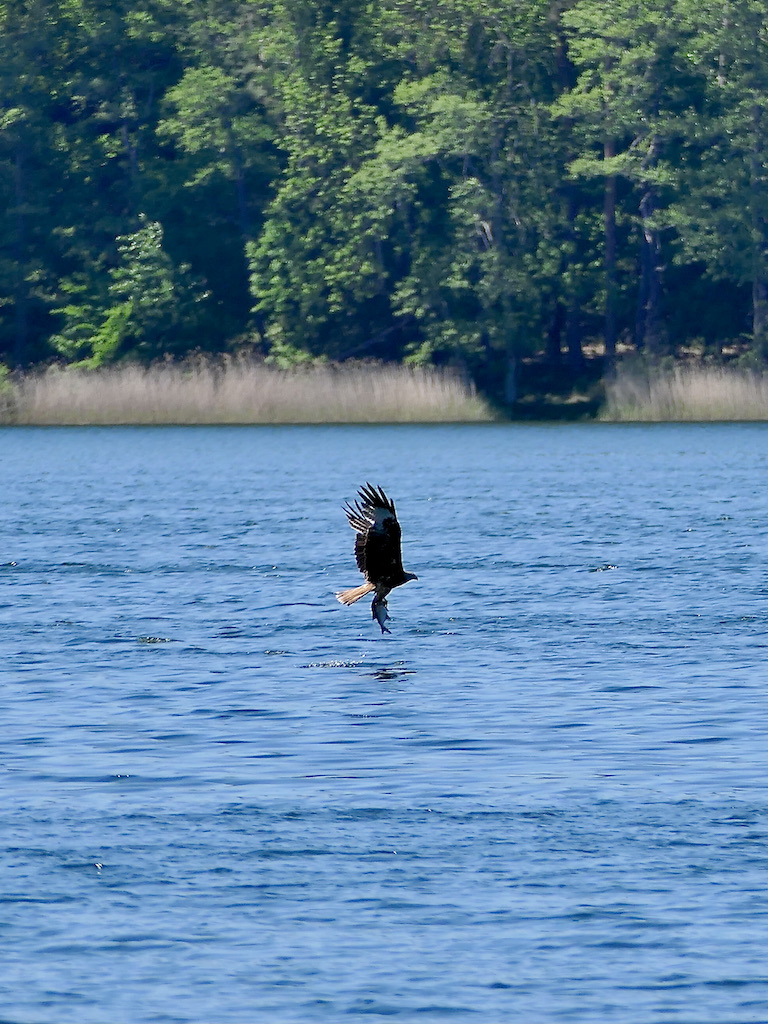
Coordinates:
239	390
686	393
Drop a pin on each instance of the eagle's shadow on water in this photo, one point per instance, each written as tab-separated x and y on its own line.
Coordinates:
386	674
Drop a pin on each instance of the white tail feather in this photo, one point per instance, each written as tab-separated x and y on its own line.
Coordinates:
354	593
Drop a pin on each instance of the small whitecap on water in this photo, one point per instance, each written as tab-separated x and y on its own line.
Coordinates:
332	664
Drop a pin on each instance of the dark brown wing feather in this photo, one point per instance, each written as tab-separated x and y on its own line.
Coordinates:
377	544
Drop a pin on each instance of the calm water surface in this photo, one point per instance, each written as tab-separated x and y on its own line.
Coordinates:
227	798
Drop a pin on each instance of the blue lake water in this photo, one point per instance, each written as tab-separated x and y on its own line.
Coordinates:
227	798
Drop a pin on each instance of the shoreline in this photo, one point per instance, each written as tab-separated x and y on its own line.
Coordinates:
240	391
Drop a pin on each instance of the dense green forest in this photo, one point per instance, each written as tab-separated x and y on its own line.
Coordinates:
468	182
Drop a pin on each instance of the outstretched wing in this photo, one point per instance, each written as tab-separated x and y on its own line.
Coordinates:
377	545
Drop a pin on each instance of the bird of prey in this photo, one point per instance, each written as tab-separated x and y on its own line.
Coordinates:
377	550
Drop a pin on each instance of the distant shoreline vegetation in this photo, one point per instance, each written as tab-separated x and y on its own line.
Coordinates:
239	391
685	393
511	188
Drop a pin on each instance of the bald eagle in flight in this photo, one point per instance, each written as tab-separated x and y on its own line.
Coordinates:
377	550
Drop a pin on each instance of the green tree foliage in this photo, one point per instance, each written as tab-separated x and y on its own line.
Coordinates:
315	290
161	302
30	174
721	208
634	94
151	307
472	182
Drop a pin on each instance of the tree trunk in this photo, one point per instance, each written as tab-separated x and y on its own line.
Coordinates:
760	316
241	189
573	335
649	333
242	203
609	218
759	203
132	154
555	334
510	380
648	329
572	317
20	326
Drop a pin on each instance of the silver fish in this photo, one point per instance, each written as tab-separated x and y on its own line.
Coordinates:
379	613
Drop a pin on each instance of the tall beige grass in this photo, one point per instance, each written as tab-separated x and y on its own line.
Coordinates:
239	390
686	393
